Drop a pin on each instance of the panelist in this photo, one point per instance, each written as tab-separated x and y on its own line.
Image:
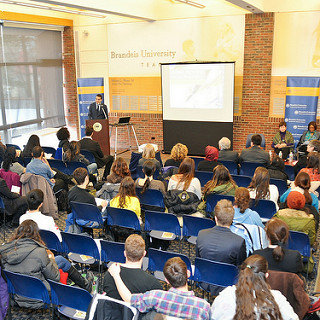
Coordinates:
98	110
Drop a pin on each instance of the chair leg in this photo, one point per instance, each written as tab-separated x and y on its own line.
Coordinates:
9	309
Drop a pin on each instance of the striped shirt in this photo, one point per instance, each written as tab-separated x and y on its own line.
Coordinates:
174	303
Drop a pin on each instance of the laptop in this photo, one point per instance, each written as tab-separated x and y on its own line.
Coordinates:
124	120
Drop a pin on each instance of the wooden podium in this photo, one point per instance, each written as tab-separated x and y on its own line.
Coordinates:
101	133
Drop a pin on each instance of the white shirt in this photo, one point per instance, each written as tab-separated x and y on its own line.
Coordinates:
195	186
43	222
274	194
224	306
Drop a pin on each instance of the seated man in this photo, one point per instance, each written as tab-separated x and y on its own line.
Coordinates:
135	279
177	302
35	202
255	153
225	154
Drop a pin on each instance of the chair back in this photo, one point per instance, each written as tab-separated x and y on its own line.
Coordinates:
73	165
135	157
196	161
27	286
231	166
241	181
248	168
299	241
151	199
26	161
86	212
69	296
265	208
215	273
51	240
88	155
290	171
140	173
192	225
58	164
112	251
203	176
166	222
58	155
49	150
281	185
213	198
123	218
8	145
263	142
1	203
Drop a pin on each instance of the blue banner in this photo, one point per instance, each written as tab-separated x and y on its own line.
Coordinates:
301	104
88	88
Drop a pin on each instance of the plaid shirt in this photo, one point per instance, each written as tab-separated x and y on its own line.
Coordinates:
173	303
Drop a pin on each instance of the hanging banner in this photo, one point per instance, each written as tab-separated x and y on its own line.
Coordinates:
301	104
88	88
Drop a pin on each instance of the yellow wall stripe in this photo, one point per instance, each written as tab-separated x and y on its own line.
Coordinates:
90	90
302	91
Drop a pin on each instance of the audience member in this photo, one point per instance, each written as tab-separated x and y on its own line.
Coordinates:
277	169
148	182
2	149
210	160
225	154
63	136
242	212
251	298
10	162
178	302
178	152
185	179
149	154
33	141
255	153
134	278
278	256
307	136
283	141
260	187
314	145
313	166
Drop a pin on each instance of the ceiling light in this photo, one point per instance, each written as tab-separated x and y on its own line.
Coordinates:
192	3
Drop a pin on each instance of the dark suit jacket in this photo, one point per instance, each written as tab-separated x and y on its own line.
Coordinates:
94	113
255	154
94	147
228	155
222	245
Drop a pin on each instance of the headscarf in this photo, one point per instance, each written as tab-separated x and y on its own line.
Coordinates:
211	153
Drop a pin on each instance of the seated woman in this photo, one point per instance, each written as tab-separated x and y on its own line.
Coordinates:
72	153
148	182
10	162
277	169
33	141
184	179
297	216
307	136
210	160
260	187
126	198
63	136
178	152
313	166
242	212
278	256
251	297
283	141
149	154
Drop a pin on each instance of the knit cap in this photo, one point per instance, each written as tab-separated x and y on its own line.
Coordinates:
296	200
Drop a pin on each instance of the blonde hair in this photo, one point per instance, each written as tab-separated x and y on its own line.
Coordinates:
148	152
179	152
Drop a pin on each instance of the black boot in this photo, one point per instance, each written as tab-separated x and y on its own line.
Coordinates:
78	279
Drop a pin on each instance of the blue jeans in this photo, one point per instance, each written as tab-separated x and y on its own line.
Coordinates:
63	263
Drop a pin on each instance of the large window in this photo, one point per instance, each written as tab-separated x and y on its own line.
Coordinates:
31	81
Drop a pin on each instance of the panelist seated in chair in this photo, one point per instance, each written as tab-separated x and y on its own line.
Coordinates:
178	302
283	141
210	160
225	154
136	279
255	153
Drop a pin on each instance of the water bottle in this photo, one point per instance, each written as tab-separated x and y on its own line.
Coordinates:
280	154
290	157
270	155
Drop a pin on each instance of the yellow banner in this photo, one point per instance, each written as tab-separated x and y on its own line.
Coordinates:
90	90
302	91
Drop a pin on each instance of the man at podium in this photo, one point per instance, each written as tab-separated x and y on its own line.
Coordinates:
98	110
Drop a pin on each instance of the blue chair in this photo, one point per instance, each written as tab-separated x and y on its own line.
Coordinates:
26	161
231	166
214	273
141	174
58	154
265	208
213	198
248	168
151	199
196	161
203	176
73	165
158	258
26	286
58	164
8	145
112	251
85	212
2	207
263	142
49	150
241	181
69	300
88	155
51	240
281	185
135	157
290	172
123	218
192	226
